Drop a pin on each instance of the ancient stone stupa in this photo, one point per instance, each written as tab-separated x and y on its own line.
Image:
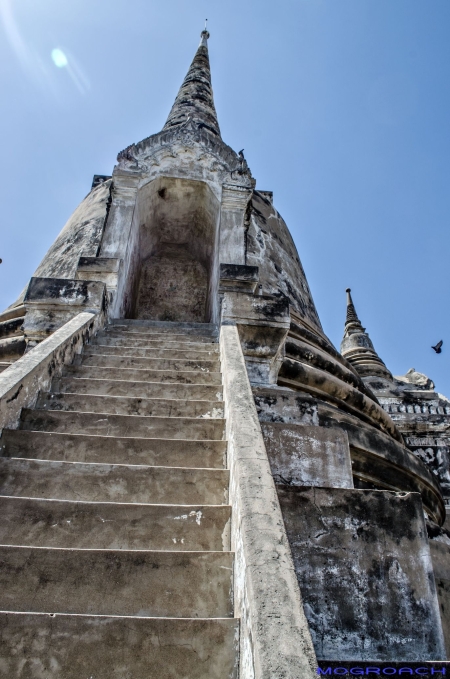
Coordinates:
195	483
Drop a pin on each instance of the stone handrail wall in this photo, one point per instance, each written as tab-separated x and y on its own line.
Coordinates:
22	381
275	640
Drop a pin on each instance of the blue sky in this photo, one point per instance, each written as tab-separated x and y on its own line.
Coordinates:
342	106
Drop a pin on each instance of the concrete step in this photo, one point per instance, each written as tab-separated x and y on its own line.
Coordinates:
115	519
113	450
153	336
210	352
100	482
29	522
151	343
100	647
189	392
149	363
122	425
116	582
164	326
143	375
123	405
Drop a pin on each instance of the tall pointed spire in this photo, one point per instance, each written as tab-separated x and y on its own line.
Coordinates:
195	98
357	346
352	316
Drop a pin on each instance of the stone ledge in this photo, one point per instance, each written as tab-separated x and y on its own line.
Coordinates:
275	639
21	382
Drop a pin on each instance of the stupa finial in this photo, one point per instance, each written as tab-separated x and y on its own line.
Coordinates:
205	35
357	346
352	316
195	100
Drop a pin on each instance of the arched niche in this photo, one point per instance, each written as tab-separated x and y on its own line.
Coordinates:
175	252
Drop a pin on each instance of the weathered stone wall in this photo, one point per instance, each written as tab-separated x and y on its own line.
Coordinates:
365	573
51	302
178	222
376	458
308	456
269	246
173	286
423	417
361	556
165	233
440	556
80	236
435	453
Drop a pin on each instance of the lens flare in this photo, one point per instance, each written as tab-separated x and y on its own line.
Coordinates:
59	58
33	64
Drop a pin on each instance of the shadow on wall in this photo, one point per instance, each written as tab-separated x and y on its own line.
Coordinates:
175	271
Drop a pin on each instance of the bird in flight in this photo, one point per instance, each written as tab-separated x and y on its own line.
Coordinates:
438	347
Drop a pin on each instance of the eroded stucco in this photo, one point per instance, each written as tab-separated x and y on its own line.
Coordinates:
270	246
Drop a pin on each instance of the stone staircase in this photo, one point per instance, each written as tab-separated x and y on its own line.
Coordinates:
116	560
